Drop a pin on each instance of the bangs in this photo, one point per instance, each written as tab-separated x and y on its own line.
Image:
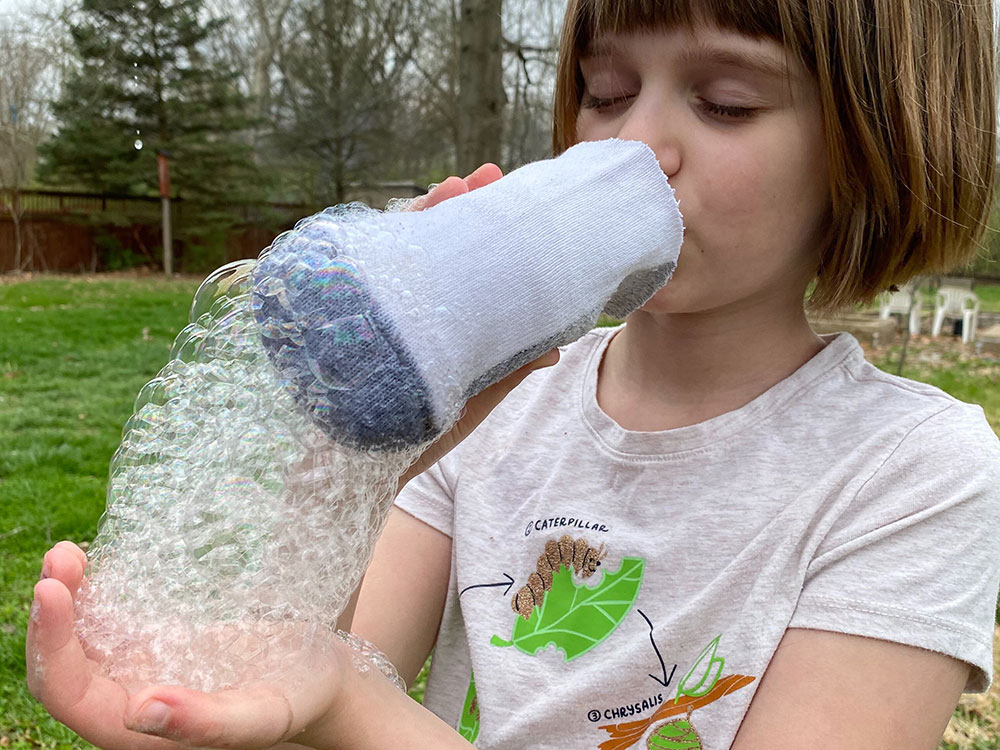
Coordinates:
755	18
784	21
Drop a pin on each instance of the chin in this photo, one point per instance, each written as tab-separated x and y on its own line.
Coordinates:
666	300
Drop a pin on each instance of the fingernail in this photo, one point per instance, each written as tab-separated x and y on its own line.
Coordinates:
152	718
45	572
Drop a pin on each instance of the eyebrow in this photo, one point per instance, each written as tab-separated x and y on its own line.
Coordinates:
706	54
759	62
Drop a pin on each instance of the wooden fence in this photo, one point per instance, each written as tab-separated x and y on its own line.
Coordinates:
63	231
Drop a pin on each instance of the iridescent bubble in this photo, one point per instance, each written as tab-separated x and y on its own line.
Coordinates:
235	529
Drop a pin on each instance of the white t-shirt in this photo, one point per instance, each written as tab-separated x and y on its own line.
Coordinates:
667	565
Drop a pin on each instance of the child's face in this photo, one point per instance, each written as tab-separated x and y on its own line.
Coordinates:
737	127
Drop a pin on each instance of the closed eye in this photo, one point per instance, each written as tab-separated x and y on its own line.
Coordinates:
726	111
723	111
593	102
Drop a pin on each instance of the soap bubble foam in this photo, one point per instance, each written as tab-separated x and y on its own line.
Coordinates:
235	529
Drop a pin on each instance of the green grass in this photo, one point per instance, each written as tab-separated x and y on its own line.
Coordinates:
989	297
73	354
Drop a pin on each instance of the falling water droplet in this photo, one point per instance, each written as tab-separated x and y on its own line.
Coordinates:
138	144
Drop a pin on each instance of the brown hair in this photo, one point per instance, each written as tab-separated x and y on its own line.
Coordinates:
908	90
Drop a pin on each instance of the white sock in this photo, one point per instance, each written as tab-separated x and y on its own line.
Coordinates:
386	323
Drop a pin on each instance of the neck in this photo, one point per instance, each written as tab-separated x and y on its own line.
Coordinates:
665	370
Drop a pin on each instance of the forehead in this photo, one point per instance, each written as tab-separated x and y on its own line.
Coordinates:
703	47
755	18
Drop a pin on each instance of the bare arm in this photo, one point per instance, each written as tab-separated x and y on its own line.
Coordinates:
403	594
830	691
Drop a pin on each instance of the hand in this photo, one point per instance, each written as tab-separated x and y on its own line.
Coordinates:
479	406
258	715
455	186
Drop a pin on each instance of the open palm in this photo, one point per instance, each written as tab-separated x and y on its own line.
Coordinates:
69	682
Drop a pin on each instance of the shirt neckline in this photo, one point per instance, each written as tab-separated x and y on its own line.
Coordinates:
668	444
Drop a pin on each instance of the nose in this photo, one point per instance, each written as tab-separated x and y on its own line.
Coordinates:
654	125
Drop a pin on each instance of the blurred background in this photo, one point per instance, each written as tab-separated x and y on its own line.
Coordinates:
236	118
266	110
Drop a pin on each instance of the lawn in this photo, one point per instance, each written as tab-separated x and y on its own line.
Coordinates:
989	297
74	352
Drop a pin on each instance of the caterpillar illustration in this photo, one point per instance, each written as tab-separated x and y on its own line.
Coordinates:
569	552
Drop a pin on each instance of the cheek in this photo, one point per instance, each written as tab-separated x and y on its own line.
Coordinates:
763	198
734	203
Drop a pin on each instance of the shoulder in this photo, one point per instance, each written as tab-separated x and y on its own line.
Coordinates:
873	400
921	449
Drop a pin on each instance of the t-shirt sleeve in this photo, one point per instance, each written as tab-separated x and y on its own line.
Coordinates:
915	558
429	496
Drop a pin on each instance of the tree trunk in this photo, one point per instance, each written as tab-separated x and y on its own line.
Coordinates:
337	14
481	97
268	39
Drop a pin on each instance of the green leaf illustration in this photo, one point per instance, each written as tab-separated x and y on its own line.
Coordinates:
711	669
468	723
679	734
575	618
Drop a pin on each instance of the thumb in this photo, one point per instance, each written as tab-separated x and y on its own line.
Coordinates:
255	717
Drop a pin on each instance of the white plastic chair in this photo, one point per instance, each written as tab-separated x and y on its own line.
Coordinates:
953	302
902	302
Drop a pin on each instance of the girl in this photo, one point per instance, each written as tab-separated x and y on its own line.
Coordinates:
722	530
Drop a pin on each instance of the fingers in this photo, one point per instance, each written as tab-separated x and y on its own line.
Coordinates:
65	562
259	715
484	176
450	188
49	649
455	186
61	677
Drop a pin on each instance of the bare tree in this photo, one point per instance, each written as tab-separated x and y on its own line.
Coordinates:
364	90
530	31
29	81
340	101
251	40
531	40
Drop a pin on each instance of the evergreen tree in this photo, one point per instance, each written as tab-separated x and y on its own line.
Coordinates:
144	84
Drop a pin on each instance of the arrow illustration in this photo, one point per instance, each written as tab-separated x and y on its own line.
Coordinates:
666	680
508	583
